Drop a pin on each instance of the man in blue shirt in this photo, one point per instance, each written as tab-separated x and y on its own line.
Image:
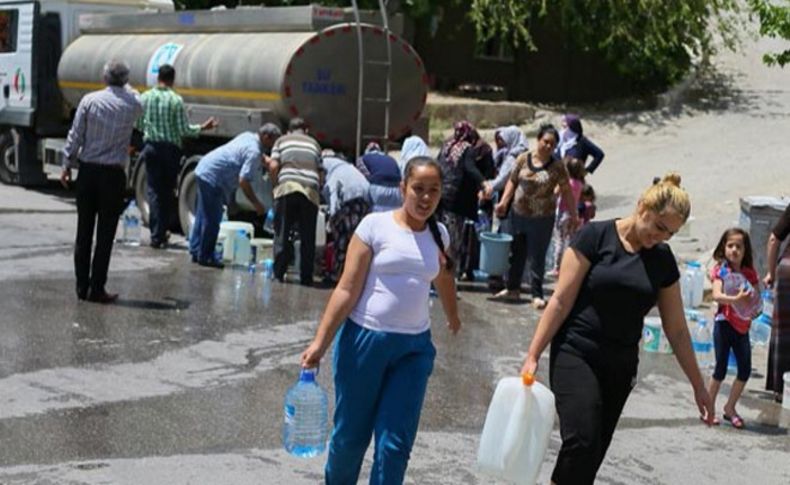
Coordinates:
219	173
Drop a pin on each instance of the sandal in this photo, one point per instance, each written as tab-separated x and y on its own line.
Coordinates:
538	303
715	422
507	295
735	420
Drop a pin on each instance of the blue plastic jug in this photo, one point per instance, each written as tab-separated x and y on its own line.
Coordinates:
306	416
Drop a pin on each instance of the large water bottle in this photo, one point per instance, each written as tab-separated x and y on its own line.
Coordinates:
242	250
306	415
224	214
131	225
732	284
268	224
760	331
483	223
702	341
697	283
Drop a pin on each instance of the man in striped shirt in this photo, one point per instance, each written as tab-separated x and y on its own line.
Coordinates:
164	123
294	168
98	144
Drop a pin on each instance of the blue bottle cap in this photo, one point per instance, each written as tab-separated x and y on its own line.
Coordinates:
307	375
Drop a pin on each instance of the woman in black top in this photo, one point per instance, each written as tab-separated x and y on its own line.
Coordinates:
613	273
779	346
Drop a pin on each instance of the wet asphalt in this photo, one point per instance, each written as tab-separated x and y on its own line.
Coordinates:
182	380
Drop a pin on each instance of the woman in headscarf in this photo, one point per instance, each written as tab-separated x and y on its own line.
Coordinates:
346	191
384	175
510	142
462	181
574	144
412	147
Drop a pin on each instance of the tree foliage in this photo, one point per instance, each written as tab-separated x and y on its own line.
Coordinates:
647	41
775	23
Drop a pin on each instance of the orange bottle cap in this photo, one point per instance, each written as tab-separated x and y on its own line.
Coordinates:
527	378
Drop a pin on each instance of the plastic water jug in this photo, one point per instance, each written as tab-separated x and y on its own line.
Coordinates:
483	223
732	284
768	304
517	430
131	225
694	278
653	338
760	331
242	252
702	342
306	414
268	224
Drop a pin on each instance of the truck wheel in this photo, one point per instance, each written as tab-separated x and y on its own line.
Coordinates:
187	201
140	196
9	169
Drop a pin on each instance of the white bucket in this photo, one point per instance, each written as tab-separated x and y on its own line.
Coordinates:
786	394
517	430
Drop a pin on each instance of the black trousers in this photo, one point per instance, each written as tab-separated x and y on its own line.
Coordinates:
294	211
162	161
589	401
100	192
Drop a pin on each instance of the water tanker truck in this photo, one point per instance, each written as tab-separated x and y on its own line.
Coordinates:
244	66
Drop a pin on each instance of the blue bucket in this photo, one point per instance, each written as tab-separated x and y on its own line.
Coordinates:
494	252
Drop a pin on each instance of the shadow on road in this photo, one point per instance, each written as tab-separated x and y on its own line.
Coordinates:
167	304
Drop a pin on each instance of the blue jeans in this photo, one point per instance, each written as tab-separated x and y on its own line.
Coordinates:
380	382
208	216
725	337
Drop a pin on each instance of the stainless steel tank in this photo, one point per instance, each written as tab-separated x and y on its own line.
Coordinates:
313	75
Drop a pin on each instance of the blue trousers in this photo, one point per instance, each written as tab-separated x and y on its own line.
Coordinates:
208	216
380	382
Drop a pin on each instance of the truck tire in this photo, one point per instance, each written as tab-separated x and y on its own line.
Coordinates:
140	196
9	169
187	200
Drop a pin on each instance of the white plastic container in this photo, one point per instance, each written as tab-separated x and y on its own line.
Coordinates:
786	393
228	229
517	430
653	337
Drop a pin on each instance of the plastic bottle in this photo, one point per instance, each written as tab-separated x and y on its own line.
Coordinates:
702	341
224	213
732	284
219	248
483	223
306	417
131	225
517	430
242	252
268	224
697	283
760	330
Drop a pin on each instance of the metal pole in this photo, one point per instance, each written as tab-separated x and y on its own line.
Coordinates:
360	80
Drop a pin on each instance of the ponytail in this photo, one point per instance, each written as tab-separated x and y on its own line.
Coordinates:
433	226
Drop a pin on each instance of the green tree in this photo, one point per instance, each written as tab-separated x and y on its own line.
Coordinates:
775	23
651	42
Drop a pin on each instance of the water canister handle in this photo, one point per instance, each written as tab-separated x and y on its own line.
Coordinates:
527	379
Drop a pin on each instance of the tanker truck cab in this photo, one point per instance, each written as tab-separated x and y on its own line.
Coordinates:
34	119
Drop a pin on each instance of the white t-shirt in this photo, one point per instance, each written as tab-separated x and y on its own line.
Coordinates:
395	297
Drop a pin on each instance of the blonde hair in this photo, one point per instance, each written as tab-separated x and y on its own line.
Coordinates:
667	194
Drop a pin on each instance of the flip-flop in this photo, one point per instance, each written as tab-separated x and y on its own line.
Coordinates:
735	420
715	422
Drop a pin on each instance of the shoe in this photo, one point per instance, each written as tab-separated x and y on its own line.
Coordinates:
211	264
508	295
735	420
193	258
103	297
538	303
82	295
158	245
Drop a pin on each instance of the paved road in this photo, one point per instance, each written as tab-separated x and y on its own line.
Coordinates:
182	381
